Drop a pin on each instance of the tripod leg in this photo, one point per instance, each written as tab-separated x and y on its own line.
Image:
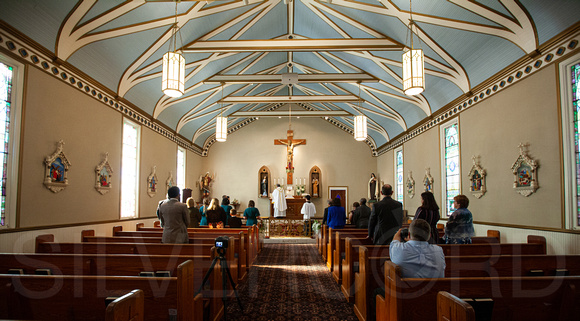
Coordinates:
224	265
233	285
206	277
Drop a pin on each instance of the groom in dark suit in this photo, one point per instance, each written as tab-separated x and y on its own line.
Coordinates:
386	218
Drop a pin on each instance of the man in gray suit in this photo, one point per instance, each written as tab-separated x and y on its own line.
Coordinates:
174	218
386	218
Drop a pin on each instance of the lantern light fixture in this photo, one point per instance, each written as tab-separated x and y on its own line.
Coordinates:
221	123
413	62
360	121
173	75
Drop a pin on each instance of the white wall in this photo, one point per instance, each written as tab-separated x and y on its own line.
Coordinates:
342	160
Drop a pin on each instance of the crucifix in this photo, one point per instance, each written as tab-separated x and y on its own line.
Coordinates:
290	142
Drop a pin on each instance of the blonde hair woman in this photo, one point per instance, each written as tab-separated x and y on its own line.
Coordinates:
215	213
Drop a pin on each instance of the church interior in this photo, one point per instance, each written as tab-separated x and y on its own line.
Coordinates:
479	98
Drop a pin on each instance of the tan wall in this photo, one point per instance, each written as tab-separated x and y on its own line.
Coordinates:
525	113
342	160
54	111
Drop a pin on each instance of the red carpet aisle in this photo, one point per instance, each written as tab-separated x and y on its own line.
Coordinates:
290	282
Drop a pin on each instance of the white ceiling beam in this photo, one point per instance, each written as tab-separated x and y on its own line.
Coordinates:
289	99
302	78
284	45
285	113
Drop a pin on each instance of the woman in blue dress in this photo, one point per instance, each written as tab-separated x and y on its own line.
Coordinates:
251	214
227	208
336	215
202	211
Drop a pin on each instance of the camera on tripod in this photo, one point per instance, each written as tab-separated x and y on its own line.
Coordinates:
221	242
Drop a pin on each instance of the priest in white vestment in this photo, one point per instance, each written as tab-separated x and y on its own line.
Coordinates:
279	201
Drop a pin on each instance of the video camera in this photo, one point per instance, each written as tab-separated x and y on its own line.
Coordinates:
404	234
222	242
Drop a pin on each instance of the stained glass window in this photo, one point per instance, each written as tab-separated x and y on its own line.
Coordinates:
181	167
5	90
452	177
576	109
130	169
399	169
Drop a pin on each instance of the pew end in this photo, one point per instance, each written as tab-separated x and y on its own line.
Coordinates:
452	308
43	238
117	228
494	233
86	233
129	307
156	223
537	239
139	225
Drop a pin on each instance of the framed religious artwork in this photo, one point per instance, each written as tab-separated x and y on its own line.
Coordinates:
103	174
264	182
476	175
152	183
169	182
410	185
428	180
525	173
342	193
315	182
56	169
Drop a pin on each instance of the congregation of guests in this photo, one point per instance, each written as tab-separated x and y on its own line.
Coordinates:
383	220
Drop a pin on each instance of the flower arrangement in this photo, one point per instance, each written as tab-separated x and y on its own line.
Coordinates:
316	226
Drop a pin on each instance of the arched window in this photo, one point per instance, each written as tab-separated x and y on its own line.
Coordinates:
451	172
400	184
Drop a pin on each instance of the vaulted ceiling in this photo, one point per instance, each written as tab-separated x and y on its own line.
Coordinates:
238	53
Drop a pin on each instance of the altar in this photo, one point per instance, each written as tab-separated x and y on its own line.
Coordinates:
294	206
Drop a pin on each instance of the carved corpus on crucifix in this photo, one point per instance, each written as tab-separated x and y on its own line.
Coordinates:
290	143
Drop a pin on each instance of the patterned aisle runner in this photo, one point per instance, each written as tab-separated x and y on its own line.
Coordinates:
290	282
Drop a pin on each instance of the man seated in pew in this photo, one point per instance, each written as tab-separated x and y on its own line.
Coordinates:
417	258
459	227
234	221
174	217
414	255
386	218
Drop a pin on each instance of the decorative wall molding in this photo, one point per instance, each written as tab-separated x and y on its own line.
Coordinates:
62	72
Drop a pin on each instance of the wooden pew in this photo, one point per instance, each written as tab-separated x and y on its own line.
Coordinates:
515	298
239	246
339	250
112	259
370	277
452	308
75	297
350	263
249	240
253	239
331	243
129	307
237	270
351	258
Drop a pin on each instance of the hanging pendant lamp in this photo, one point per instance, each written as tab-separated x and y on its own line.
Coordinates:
221	123
413	64
173	77
360	122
